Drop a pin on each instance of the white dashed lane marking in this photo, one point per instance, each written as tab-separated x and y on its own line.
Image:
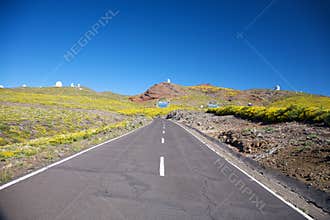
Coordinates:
161	167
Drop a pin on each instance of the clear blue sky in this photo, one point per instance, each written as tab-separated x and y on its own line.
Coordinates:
286	42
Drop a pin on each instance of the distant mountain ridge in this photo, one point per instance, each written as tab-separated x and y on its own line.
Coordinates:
203	93
181	96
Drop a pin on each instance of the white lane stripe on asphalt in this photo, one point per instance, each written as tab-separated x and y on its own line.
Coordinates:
163	140
163	132
161	167
63	160
251	177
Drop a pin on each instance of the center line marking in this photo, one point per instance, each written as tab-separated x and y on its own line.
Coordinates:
163	132
161	167
163	140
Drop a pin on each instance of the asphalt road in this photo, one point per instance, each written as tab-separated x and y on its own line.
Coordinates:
157	172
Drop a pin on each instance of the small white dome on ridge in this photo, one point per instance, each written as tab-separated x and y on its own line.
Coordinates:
58	84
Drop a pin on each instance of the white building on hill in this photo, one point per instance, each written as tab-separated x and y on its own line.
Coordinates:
58	84
277	88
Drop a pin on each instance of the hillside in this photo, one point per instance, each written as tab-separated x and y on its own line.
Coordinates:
158	91
28	108
283	130
31	113
195	96
40	125
67	97
33	118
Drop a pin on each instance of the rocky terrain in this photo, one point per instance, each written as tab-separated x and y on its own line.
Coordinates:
300	151
157	91
204	93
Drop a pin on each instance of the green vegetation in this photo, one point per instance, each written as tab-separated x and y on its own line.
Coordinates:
33	119
37	122
32	147
277	114
21	123
152	112
206	88
5	175
288	107
40	125
61	115
66	98
305	100
203	94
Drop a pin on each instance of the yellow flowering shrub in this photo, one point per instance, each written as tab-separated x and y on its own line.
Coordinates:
277	114
6	154
31	147
151	112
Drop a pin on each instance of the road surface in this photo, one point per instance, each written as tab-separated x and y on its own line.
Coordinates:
158	172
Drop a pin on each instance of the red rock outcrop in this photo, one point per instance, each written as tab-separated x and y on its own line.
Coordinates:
157	91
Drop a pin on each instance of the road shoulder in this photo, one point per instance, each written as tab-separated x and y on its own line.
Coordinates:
279	188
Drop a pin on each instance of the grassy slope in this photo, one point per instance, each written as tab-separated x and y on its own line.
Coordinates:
41	123
304	100
65	97
29	113
30	118
269	106
33	113
203	94
288	106
21	123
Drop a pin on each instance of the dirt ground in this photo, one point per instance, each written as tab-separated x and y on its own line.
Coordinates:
301	151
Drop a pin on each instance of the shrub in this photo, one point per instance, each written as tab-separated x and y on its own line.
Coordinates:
151	112
277	114
6	154
31	147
